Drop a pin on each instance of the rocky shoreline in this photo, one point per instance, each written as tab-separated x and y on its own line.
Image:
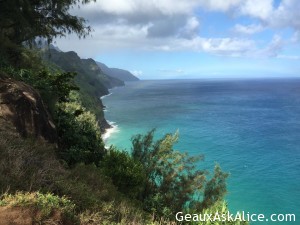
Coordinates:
104	126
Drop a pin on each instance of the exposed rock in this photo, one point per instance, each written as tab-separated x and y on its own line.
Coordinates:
104	125
23	107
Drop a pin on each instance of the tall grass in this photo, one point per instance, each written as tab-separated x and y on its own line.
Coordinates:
26	164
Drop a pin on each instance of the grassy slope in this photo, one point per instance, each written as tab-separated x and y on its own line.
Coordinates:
31	165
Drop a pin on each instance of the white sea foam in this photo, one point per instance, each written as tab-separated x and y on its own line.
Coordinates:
104	96
110	131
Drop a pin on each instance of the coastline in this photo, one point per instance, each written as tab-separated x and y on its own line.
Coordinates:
104	124
107	127
109	131
104	96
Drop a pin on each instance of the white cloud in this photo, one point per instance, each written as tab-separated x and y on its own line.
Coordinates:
219	5
231	46
113	6
107	38
296	37
191	28
275	46
286	15
104	41
146	11
121	32
219	46
250	29
192	23
149	7
254	8
257	8
166	25
137	73
272	49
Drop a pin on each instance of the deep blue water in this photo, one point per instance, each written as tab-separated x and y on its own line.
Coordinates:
250	127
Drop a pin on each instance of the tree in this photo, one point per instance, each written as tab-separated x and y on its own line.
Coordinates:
173	182
22	21
126	173
215	189
79	134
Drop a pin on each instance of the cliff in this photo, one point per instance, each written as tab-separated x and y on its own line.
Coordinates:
91	80
120	74
23	107
89	76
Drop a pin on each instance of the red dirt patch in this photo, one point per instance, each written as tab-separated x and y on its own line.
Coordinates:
23	106
15	216
24	216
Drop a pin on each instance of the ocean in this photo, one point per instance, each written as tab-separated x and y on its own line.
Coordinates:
250	127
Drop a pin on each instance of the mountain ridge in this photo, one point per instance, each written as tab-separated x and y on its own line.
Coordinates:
91	80
120	74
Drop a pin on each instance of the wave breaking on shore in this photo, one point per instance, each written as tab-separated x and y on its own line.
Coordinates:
108	132
104	96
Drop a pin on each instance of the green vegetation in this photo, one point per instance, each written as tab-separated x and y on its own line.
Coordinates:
44	204
117	73
26	164
172	181
23	21
220	208
79	133
92	82
77	176
127	173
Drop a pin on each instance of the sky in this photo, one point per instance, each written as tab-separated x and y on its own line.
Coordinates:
179	39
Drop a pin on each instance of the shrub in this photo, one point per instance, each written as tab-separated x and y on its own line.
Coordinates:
53	86
44	204
215	188
97	199
173	182
79	134
126	173
87	187
121	213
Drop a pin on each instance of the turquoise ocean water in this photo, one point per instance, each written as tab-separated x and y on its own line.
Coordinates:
250	127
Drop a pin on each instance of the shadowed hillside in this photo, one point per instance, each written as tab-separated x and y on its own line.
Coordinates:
120	74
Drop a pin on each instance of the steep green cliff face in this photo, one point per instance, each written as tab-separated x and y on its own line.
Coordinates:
120	74
91	80
89	76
